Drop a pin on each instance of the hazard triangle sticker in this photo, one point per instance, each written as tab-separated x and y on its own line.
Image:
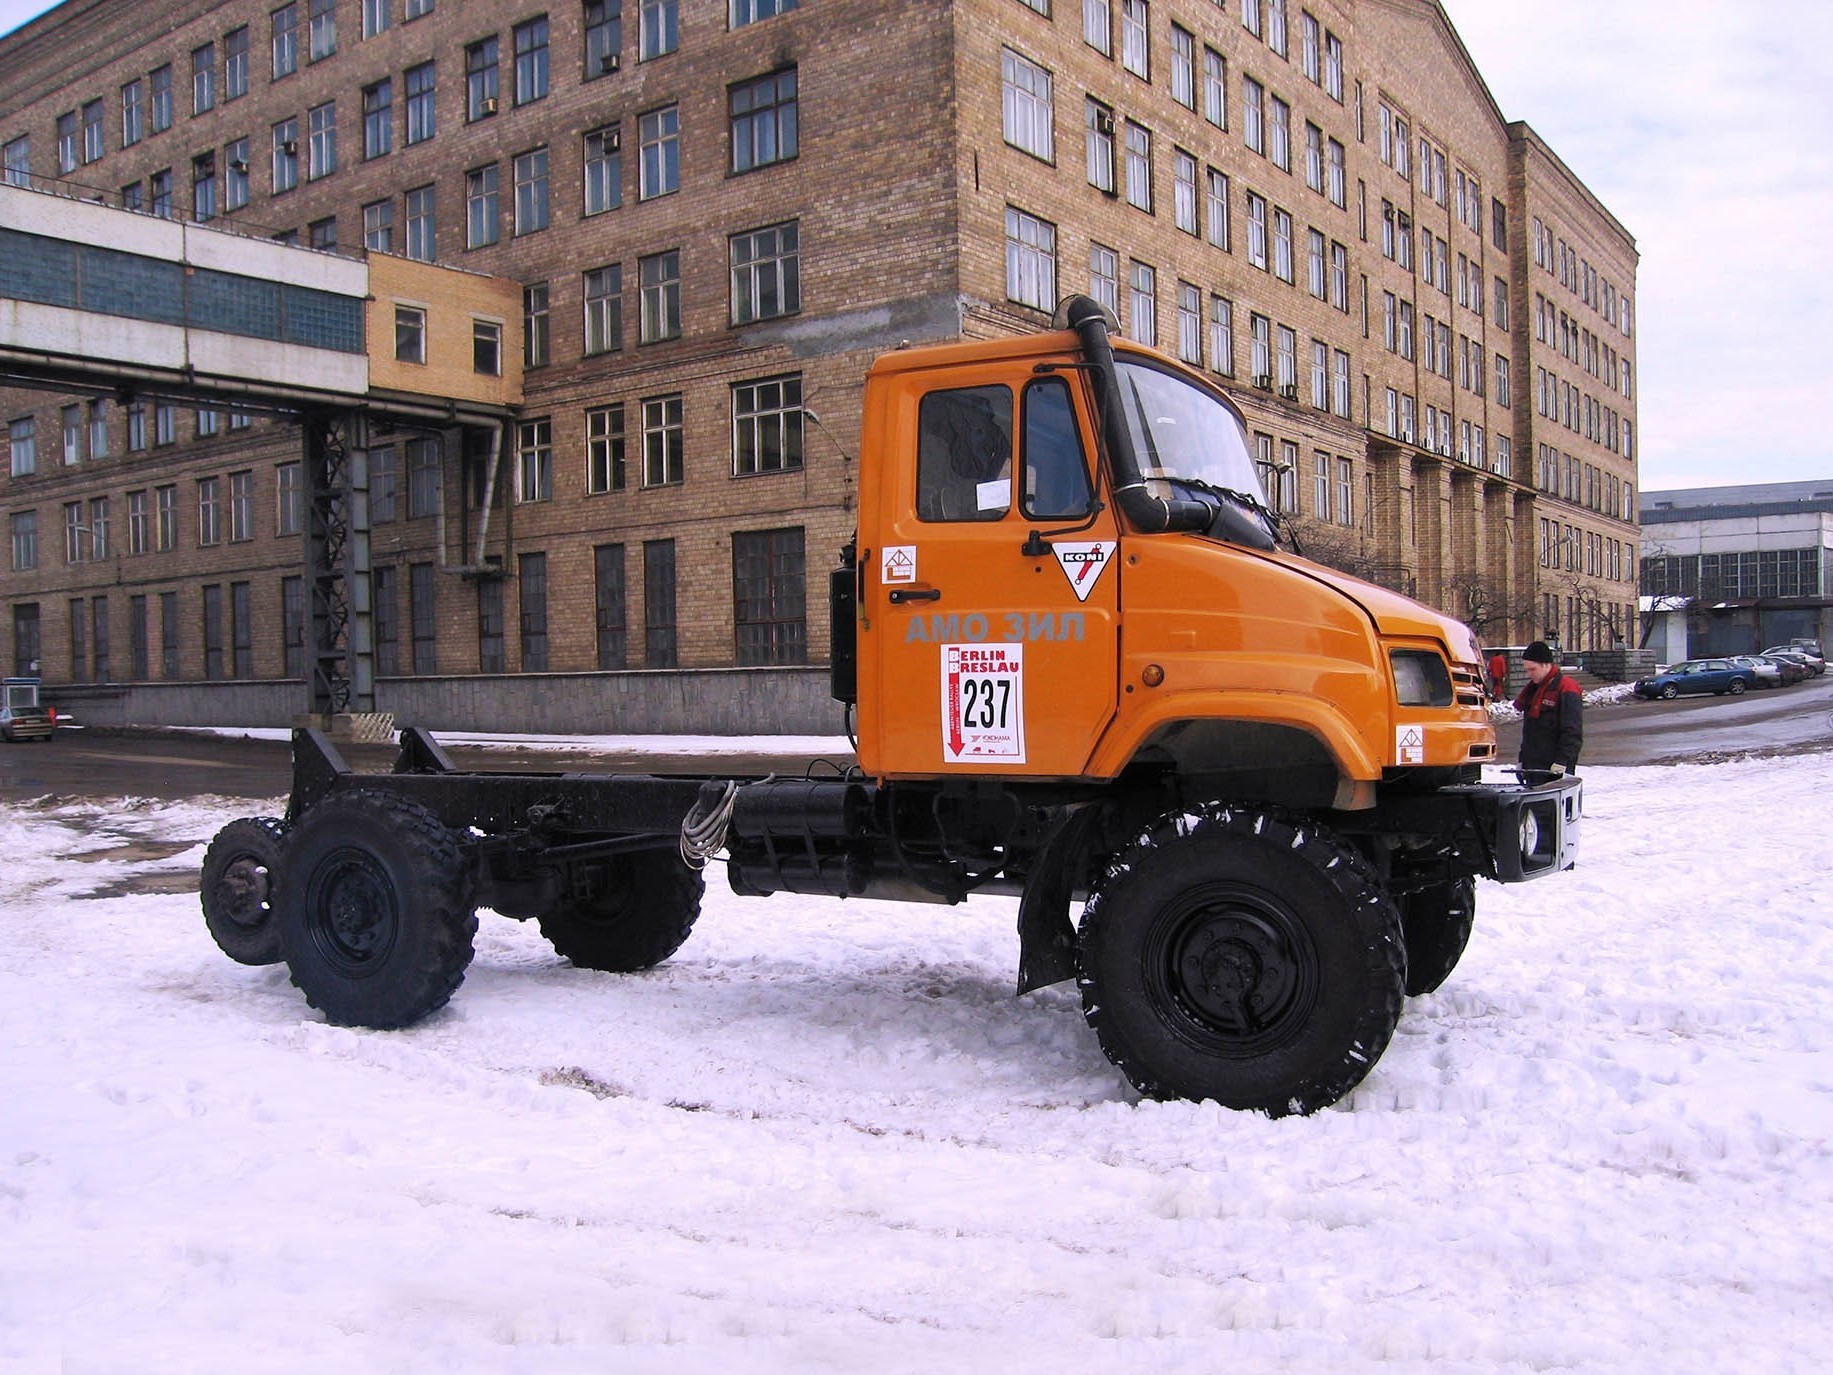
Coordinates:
1083	563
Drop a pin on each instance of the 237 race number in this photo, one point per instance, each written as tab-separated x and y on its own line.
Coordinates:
983	703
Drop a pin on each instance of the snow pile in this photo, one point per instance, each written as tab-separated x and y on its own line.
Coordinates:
826	1138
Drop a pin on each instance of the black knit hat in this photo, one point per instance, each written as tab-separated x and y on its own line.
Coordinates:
1540	652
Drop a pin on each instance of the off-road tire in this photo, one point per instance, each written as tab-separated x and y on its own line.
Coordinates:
1436	923
646	905
1242	955
376	912
236	891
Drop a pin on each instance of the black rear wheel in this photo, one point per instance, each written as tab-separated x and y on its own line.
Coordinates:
626	913
1242	956
376	915
237	889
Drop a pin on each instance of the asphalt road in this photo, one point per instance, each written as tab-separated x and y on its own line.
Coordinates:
177	764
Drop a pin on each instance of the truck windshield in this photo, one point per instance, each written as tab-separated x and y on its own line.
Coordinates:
1181	432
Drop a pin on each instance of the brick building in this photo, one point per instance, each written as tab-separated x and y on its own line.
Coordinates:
719	211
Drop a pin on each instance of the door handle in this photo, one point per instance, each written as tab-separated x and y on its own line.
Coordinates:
900	595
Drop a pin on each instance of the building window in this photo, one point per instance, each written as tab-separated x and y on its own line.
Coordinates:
74	530
1253	124
1031	260
535	460
535	342
487	348
323	35
1320	375
766	273
1216	196
604	309
160	83
422	238
1340	383
1222	335
410	334
660	137
379	227
745	12
235	180
604	35
139	534
490	626
659	603
165	424
1280	134
423	617
1100	124
140	648
530	43
422	121
133	123
1104	277
1282	245
376	16
605	449
385	618
1184	191
203	80
767	426
98	527
604	170
25	639
92	131
241	507
203	187
378	118
481	79
531	191
382	485
608	585
165	517
532	594
1029	111
1257	231
481	212
1098	25
769	596
1287	362
293	626
25	540
659	28
1142	282
1139	166
1190	324
321	234
66	143
209	511
663	461
79	651
763	120
1260	345
659	278
286	156
160	187
286	41
1135	39
422	477
241	631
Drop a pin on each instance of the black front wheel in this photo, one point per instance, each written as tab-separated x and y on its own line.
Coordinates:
376	914
627	913
1244	956
237	889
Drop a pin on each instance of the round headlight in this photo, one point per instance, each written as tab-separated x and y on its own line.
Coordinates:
1530	833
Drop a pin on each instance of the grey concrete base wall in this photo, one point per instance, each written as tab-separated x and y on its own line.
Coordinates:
732	701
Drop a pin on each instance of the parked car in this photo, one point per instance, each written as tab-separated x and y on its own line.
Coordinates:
1768	671
1816	665
1792	669
22	715
1717	676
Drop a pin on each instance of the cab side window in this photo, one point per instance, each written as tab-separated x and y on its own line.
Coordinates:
964	454
1056	473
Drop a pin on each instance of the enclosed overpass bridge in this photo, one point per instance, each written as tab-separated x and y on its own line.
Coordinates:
114	302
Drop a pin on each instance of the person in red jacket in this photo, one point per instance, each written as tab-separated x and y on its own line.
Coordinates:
1552	716
1498	674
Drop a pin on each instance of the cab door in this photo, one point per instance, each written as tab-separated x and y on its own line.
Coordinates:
992	600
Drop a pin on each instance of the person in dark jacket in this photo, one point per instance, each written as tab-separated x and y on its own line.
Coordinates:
1552	715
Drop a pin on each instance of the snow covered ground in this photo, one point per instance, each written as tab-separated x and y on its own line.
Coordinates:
825	1137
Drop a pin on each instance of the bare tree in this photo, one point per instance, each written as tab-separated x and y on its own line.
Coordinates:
1486	604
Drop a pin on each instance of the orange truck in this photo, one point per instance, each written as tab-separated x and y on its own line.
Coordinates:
1077	666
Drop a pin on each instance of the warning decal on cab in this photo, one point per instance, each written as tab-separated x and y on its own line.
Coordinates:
1083	563
983	703
1410	745
897	564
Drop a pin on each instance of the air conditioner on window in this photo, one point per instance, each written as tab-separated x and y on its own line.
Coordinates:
614	140
487	106
1264	381
1104	123
609	62
238	165
1289	391
290	147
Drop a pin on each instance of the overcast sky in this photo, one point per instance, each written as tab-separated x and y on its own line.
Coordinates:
1708	131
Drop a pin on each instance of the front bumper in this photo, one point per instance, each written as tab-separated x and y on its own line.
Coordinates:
1505	831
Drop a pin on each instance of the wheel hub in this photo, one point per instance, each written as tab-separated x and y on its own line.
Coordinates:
245	890
1236	971
358	913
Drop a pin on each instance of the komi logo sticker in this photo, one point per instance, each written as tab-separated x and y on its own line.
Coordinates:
1083	564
